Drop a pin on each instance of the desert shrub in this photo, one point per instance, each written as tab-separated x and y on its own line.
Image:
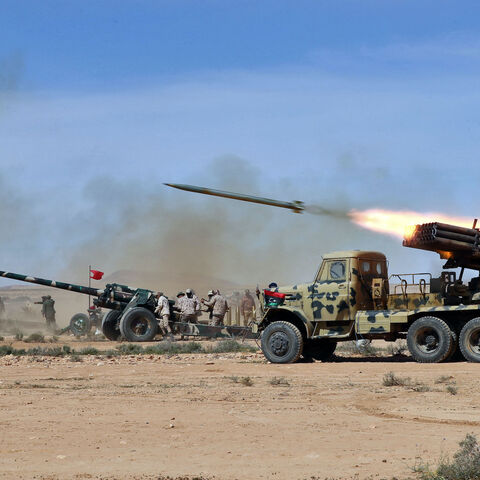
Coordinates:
279	381
420	387
18	335
465	464
391	380
130	349
45	352
444	379
76	358
2	338
247	381
6	350
36	337
452	389
88	351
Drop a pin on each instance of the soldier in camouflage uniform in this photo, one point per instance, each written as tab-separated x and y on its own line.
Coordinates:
247	307
219	306
189	307
163	310
48	311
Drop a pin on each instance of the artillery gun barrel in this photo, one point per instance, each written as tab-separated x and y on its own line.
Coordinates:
295	206
94	292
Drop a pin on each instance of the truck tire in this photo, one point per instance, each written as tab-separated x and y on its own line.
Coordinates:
80	324
110	326
282	342
139	325
455	355
429	340
470	340
319	349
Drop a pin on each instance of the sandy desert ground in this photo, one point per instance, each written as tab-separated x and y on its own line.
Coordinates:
144	416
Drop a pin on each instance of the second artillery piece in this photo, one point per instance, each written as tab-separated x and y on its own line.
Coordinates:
132	311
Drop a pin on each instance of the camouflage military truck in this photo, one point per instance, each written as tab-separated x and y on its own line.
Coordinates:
351	297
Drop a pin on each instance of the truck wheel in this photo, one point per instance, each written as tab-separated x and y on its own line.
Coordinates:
319	349
80	324
282	342
110	325
139	325
470	340
429	340
455	355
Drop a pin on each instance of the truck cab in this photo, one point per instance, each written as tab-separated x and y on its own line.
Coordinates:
327	306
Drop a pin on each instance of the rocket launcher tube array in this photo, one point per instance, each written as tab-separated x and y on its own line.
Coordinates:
295	206
450	241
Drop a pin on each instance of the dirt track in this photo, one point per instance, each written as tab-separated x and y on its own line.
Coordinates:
143	416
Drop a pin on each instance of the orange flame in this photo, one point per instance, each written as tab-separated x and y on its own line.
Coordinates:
401	223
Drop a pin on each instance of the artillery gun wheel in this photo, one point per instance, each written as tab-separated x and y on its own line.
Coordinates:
470	340
282	342
110	325
139	325
80	324
429	340
319	349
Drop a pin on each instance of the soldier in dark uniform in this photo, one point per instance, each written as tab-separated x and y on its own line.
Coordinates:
48	311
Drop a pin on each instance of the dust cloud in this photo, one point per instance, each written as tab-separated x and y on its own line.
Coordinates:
158	238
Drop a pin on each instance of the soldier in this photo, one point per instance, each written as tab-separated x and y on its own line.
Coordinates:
187	307
191	294
48	311
163	310
95	313
219	305
209	310
247	306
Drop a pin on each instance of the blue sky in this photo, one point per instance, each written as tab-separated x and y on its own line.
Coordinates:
342	103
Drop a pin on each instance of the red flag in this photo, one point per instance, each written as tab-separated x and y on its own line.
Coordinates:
96	274
269	293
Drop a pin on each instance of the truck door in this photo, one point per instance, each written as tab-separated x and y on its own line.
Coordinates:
330	295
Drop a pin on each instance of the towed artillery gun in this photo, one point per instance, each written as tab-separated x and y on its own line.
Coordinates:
132	312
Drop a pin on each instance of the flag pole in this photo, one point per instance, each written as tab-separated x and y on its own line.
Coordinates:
89	282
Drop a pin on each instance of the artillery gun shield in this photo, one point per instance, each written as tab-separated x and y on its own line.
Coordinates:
139	325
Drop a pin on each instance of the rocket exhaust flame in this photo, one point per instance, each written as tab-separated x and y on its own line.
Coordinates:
401	224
